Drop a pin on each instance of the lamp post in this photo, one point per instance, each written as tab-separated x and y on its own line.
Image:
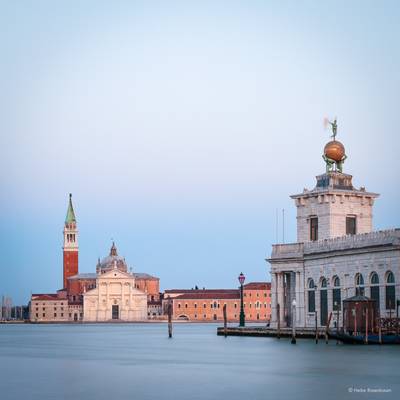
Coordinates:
294	321
241	281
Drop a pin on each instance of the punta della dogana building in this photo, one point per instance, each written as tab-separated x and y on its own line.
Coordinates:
337	255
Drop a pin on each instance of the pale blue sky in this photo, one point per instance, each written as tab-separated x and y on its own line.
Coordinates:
180	127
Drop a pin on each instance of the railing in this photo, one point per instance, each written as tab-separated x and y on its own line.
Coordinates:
287	250
389	325
390	236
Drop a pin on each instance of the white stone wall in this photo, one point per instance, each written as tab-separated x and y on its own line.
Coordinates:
346	267
115	288
343	257
332	208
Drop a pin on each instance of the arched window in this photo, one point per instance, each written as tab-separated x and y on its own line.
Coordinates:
359	285
374	279
311	296
390	291
323	283
336	297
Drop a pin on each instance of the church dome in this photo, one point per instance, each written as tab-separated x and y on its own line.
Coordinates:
112	261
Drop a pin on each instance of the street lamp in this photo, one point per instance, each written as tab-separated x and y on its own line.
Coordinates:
294	321
241	281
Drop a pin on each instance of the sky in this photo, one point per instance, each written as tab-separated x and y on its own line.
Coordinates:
180	128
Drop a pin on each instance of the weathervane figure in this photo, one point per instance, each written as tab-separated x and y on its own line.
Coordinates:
334	128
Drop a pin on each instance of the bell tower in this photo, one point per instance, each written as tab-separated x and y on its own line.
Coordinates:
70	248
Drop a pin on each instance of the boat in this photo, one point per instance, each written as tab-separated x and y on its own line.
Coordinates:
361	339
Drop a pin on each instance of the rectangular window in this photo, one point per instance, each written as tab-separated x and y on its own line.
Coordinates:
55	315
351	225
336	299
375	295
311	301
314	228
390	298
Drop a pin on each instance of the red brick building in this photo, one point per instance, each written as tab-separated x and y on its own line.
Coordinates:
206	305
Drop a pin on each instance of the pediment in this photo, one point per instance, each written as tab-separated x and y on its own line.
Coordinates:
115	273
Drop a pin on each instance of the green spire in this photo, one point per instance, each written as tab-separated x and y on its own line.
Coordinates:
70	212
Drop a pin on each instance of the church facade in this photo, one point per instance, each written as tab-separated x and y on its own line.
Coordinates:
112	293
337	255
115	295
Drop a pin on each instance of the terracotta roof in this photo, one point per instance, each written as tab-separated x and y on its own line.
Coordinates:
45	296
257	286
142	275
172	291
154	303
85	275
205	294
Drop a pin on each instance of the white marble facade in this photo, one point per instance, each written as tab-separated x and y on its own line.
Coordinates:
336	263
114	298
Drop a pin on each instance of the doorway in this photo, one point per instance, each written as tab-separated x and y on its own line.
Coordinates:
115	312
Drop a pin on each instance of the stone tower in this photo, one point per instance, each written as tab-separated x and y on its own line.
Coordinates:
334	207
70	248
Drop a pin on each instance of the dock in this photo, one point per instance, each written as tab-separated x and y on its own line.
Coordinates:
256	331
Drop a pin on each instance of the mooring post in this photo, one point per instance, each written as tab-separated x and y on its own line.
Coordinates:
366	325
380	331
293	322
316	326
337	322
355	320
170	318
327	328
225	319
279	320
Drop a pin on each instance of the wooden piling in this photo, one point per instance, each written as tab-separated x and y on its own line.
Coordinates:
327	328
355	320
278	313
366	326
170	319
225	319
293	341
380	331
316	327
337	324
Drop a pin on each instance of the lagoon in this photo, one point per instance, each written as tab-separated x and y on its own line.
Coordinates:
139	361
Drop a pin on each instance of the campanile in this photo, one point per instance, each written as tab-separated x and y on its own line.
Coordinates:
70	248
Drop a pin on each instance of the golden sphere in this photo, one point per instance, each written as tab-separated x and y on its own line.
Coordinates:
334	150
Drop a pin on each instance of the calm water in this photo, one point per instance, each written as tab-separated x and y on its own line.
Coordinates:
138	361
